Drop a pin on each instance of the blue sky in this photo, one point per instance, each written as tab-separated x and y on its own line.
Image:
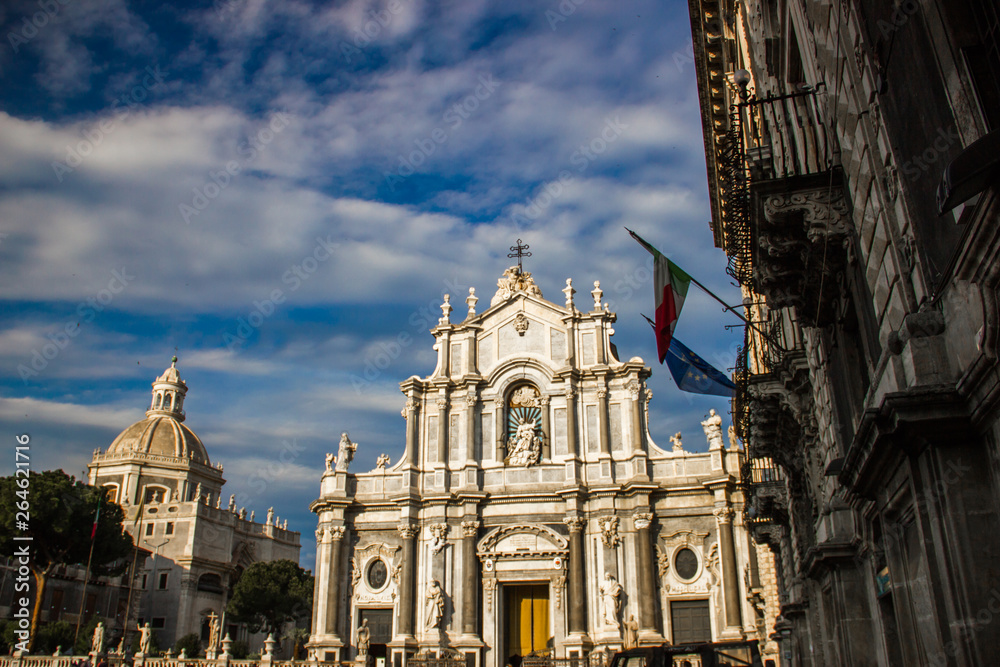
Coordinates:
168	169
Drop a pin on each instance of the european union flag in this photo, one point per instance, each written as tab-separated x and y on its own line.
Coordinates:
694	374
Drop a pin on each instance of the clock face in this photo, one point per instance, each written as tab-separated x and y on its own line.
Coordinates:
378	573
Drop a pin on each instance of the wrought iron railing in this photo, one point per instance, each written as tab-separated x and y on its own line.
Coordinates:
764	487
777	136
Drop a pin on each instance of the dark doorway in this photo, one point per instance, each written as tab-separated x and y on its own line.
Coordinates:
380	624
690	620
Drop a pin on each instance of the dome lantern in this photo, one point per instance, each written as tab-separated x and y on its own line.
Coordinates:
168	394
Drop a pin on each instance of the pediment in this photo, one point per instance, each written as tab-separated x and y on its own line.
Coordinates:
522	539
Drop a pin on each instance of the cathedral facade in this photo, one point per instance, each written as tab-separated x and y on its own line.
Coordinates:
194	543
531	512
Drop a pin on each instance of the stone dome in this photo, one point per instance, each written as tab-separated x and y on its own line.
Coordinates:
160	435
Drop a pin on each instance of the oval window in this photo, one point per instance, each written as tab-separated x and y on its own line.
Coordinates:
686	563
377	574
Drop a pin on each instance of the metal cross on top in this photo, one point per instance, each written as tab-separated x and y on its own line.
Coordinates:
518	251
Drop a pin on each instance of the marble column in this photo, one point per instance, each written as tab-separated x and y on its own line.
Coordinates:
571	421
543	404
442	435
577	593
322	574
646	569
730	577
602	420
407	579
411	432
333	598
471	576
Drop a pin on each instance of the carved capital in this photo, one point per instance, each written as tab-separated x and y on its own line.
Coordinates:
570	393
543	401
471	400
336	533
602	393
442	404
575	523
411	405
723	514
642	520
633	390
470	528
407	530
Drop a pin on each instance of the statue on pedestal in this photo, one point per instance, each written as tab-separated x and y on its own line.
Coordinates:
435	604
97	643
713	430
364	638
346	452
611	599
145	637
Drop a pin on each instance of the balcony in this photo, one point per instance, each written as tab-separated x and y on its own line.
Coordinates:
785	219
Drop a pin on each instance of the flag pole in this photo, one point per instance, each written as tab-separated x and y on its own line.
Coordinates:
725	305
86	576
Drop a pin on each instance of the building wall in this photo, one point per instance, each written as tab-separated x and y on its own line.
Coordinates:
874	399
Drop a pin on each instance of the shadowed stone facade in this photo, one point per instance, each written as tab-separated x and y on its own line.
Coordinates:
853	153
531	510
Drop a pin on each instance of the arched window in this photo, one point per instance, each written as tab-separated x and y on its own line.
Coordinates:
111	493
524	425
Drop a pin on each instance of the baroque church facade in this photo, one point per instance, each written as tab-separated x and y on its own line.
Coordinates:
193	543
531	512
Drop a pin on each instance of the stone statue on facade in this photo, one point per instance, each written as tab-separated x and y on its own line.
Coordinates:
364	639
270	516
329	461
611	600
524	446
346	452
631	632
675	440
514	280
382	461
435	604
734	441
97	643
713	430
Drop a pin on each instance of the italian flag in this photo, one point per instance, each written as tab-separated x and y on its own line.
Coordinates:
670	287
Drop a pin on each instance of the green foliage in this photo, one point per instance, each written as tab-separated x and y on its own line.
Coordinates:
239	649
7	638
270	594
62	512
189	642
51	635
62	515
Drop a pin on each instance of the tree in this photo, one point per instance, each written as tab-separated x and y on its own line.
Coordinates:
61	513
191	643
269	594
